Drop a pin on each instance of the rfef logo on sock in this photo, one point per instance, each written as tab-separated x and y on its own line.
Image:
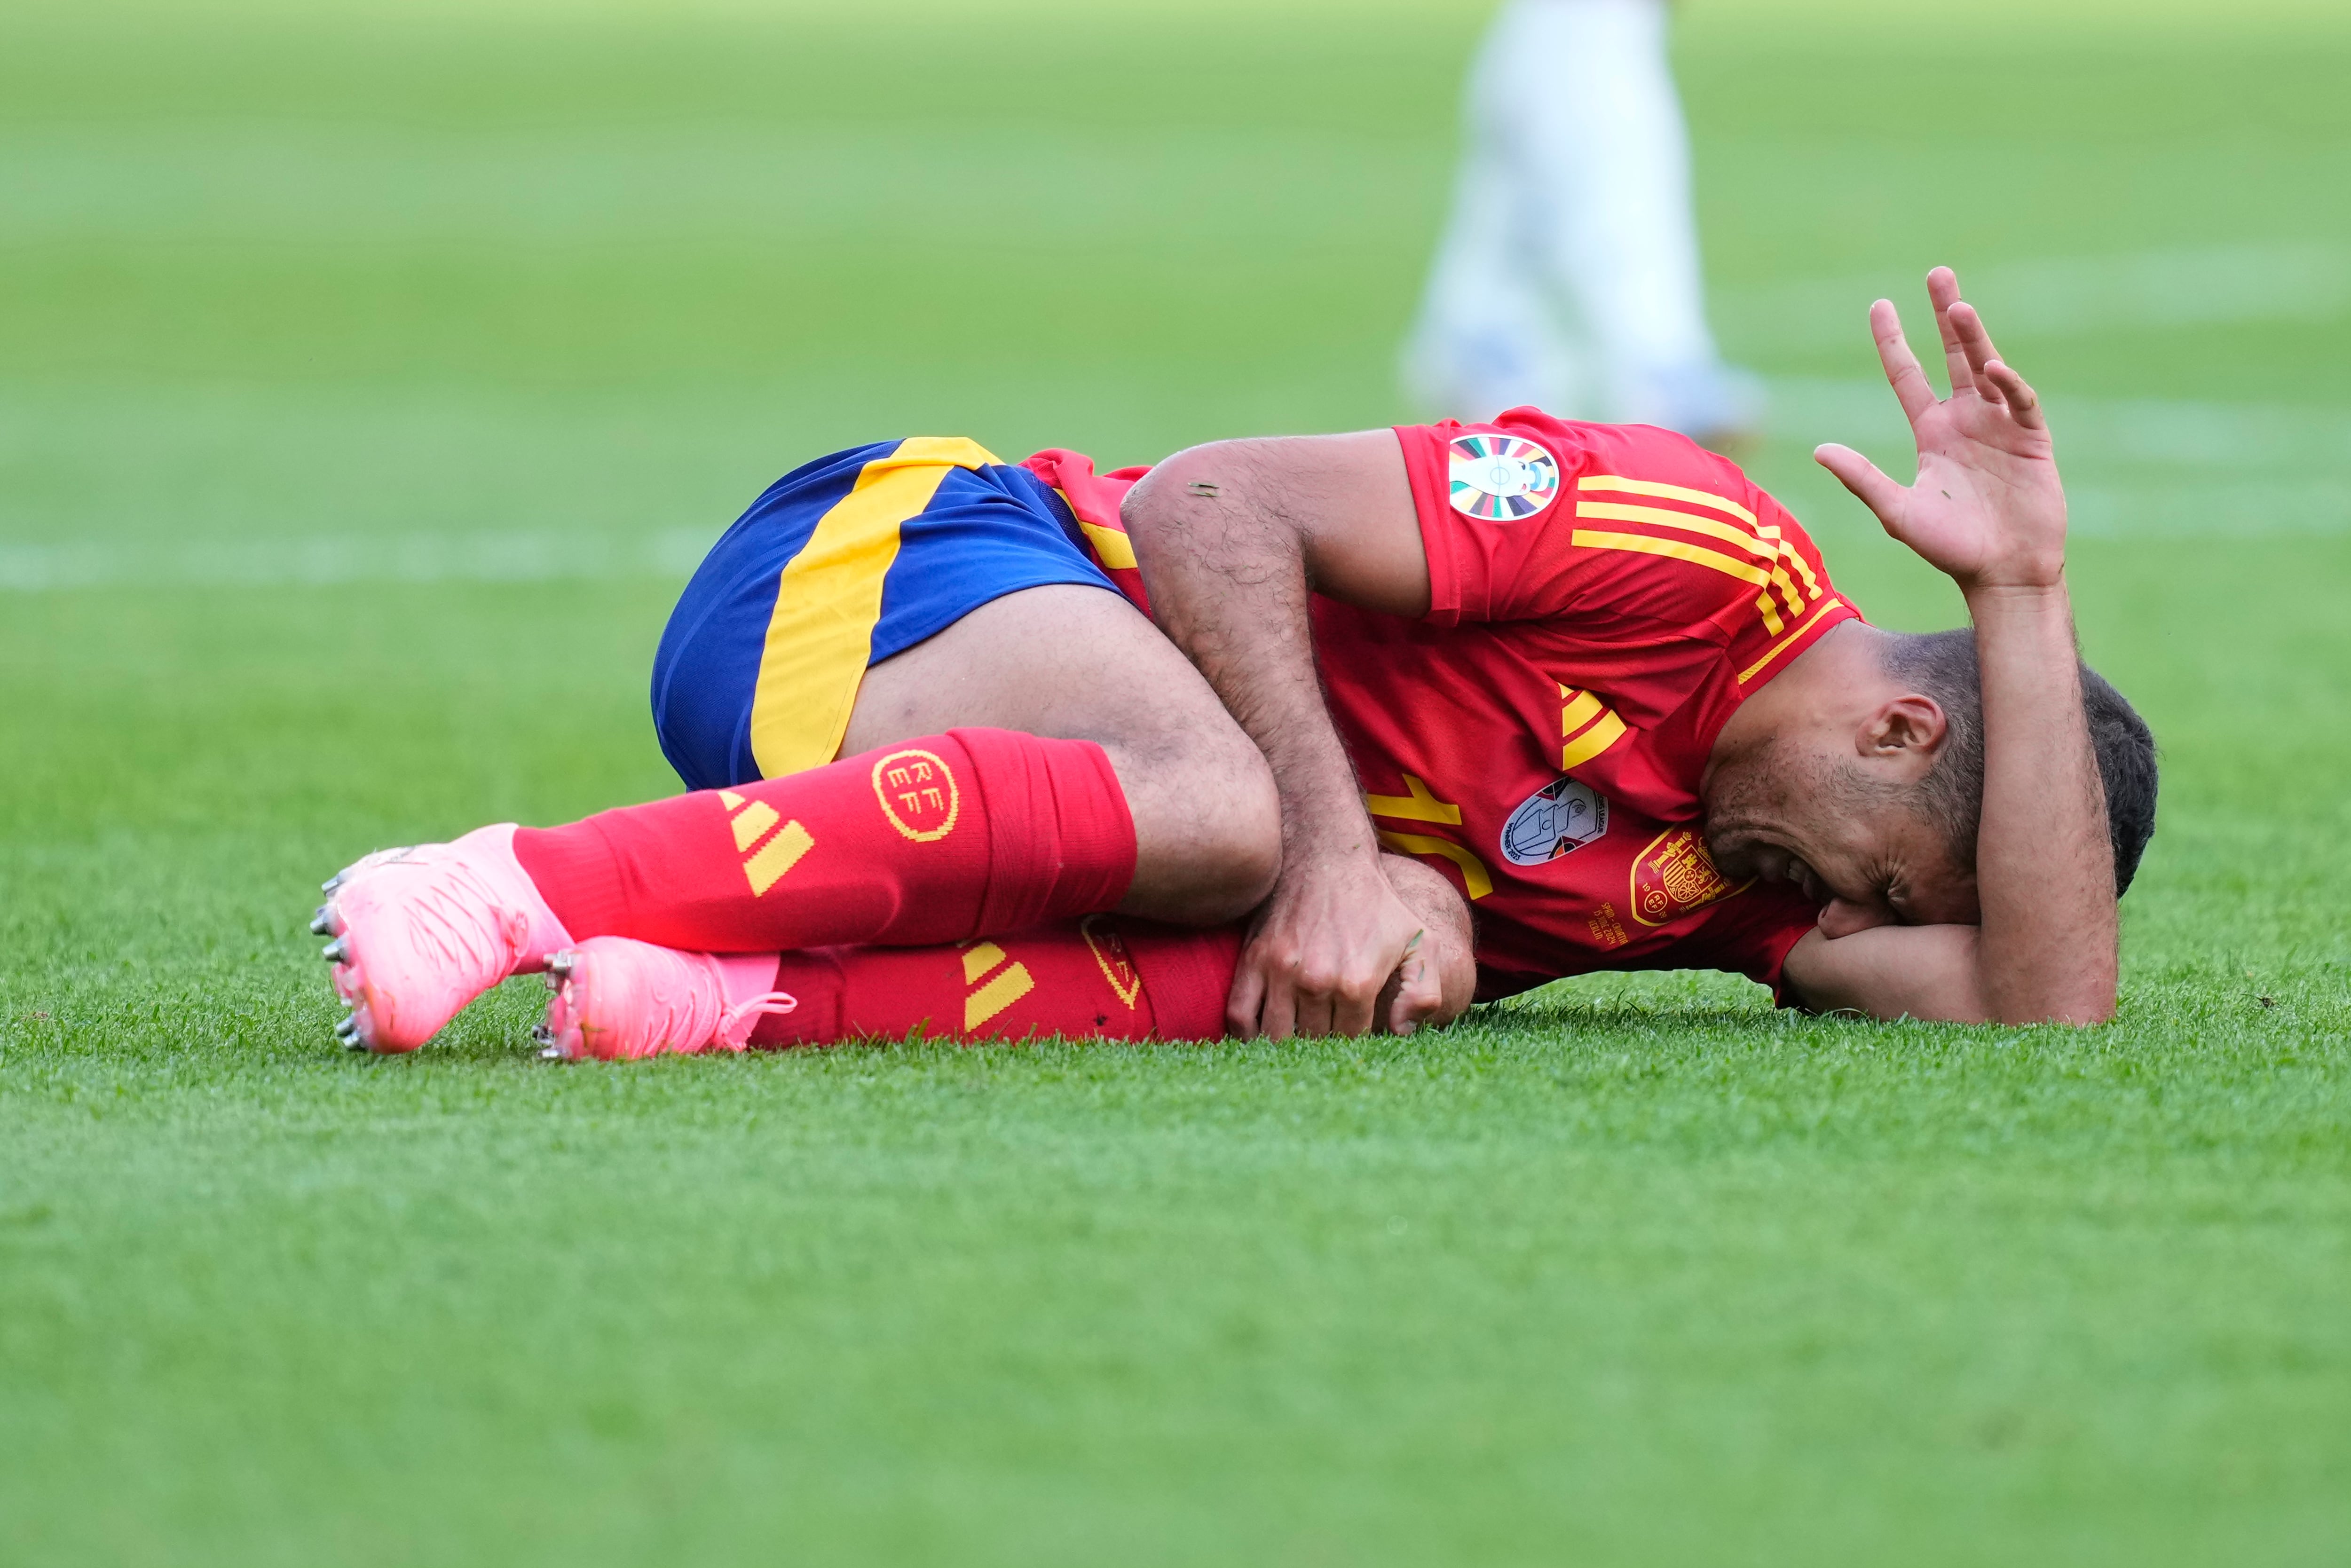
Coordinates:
917	794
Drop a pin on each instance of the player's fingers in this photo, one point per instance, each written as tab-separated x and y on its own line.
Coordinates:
1278	1015
1246	1001
1975	342
1313	1014
1352	1010
1909	382
2023	401
1943	289
1866	480
1418	997
1971	323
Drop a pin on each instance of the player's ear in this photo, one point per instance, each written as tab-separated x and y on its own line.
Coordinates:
1909	729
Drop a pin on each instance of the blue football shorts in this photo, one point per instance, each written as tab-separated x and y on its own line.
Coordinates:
840	564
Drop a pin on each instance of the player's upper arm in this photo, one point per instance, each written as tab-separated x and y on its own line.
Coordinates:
1632	531
1926	972
1345	497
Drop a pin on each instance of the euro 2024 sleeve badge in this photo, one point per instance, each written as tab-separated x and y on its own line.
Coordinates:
1500	479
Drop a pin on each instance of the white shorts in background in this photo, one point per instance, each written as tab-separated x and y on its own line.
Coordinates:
1568	275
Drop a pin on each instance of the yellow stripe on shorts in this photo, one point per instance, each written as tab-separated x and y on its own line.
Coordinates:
829	600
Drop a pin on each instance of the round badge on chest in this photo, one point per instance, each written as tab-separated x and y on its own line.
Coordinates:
1500	479
1558	819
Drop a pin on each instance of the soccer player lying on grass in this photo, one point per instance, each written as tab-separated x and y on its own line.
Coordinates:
1057	733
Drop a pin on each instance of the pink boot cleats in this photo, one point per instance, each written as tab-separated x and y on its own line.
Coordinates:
419	933
617	999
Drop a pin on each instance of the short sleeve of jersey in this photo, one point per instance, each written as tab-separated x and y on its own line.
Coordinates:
1630	535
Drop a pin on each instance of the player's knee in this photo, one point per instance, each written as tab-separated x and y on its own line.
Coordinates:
1208	833
1241	848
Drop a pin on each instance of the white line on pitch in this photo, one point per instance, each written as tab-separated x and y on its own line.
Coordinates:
2199	286
338	560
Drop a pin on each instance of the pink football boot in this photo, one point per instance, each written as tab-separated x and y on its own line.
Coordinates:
419	933
617	999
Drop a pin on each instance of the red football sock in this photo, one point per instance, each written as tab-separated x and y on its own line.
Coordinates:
1102	977
942	839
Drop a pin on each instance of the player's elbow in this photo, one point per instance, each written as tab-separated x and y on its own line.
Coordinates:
1205	487
1155	505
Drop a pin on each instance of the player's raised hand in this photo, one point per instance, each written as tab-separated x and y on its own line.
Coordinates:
1987	507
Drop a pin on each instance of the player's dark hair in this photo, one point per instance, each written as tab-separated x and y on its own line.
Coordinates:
1942	665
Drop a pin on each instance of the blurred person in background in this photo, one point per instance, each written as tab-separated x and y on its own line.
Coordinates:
1568	275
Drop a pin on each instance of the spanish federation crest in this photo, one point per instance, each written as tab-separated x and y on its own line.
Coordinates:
1500	477
1561	817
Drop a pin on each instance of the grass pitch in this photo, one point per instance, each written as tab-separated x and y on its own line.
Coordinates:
368	387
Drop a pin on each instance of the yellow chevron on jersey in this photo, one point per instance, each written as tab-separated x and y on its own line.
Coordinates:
1416	805
1586	728
1476	881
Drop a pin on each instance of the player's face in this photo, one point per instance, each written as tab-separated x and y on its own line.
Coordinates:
1858	852
1894	870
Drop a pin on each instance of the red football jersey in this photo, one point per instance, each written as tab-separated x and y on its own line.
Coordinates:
1602	597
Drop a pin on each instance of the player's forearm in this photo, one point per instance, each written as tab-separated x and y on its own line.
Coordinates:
1227	581
1929	973
2044	865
